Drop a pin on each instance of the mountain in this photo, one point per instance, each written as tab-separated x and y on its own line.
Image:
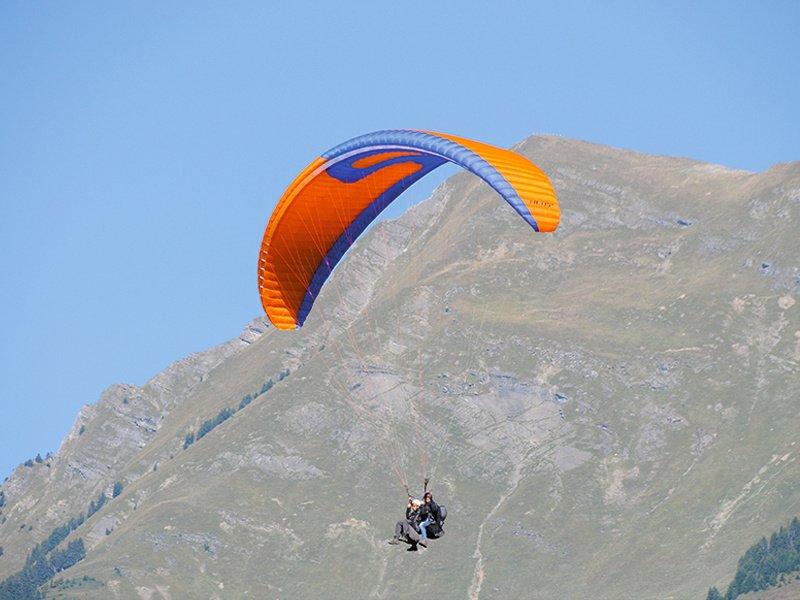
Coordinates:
607	412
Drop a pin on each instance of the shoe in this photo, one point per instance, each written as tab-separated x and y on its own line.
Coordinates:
394	541
423	543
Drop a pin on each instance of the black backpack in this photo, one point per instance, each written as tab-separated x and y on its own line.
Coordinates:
435	529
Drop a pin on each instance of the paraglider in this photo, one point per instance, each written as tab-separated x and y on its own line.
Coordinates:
332	202
335	198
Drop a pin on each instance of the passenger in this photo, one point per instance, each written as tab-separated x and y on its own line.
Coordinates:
429	513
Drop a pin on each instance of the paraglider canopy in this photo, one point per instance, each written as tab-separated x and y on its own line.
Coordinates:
335	198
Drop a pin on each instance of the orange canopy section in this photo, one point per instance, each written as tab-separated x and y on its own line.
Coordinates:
333	200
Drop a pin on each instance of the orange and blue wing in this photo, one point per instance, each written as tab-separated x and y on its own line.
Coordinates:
335	198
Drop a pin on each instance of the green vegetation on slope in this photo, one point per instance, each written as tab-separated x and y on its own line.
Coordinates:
37	460
764	562
96	505
118	487
45	560
226	413
222	416
42	564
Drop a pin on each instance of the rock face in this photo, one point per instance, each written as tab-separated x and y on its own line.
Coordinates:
608	412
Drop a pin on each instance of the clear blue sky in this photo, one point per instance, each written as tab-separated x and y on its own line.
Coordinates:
143	144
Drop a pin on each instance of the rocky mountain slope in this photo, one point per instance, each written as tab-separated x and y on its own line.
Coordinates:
608	412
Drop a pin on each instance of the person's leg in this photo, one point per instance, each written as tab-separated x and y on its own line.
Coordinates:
423	532
399	528
411	533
